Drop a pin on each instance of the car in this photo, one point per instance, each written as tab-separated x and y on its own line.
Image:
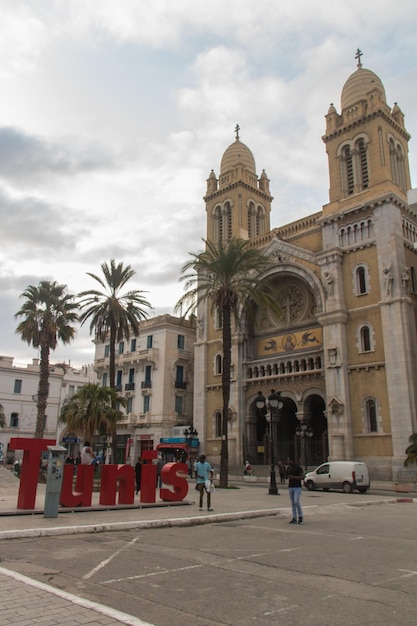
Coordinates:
345	475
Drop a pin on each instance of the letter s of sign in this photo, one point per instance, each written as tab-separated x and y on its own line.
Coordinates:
170	475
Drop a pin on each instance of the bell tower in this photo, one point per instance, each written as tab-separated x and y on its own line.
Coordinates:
366	144
238	204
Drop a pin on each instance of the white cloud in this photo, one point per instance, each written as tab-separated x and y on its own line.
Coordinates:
114	113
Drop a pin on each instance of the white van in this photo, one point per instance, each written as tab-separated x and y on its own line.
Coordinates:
346	475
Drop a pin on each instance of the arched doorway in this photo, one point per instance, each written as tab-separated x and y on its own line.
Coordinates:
284	424
317	446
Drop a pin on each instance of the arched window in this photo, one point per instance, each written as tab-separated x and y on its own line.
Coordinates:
227	226
365	338
347	160
397	163
371	415
413	280
218	319
218	424
218	225
361	276
251	218
363	164
218	368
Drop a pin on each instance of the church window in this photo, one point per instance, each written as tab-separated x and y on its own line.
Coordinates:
348	170
218	424
361	280
218	225
363	164
365	338
397	164
218	367
218	320
413	280
371	415
227	223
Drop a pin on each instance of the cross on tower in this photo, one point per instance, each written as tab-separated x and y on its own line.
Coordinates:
237	129
358	55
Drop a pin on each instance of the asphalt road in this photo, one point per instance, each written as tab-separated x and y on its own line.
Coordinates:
345	565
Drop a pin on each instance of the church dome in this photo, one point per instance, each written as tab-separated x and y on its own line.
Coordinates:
236	153
358	86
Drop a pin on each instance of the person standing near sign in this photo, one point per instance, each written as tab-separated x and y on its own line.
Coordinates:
203	474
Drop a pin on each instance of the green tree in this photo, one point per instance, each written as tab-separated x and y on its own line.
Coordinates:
90	411
48	312
411	451
228	274
113	314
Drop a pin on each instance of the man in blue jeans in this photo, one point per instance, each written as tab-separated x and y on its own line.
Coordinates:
295	476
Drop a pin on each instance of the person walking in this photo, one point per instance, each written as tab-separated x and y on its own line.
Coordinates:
204	477
295	476
138	473
282	472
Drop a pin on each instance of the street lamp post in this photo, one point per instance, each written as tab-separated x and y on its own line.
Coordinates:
190	434
270	406
304	431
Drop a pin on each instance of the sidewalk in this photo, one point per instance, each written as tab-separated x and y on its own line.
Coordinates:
37	601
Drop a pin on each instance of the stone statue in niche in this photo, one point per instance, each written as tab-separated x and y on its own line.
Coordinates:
405	279
388	280
329	283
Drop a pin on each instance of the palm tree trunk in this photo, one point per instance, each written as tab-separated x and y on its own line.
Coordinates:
112	381
227	362
43	391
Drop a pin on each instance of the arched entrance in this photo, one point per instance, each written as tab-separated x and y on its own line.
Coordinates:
316	449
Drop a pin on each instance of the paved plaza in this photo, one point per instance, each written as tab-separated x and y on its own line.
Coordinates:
25	600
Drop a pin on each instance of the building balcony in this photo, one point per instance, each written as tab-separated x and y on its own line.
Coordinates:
129	386
180	384
146	384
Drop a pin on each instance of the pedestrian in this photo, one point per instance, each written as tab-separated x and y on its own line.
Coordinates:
138	473
295	476
87	454
282	472
204	477
248	469
159	465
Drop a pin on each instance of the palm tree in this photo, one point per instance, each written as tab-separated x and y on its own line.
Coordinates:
49	312
114	314
228	275
91	411
411	451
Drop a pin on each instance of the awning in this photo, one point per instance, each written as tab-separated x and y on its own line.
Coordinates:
173	446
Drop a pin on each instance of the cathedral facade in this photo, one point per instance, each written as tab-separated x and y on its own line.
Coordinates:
342	352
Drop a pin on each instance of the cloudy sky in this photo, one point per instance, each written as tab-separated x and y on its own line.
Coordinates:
113	114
